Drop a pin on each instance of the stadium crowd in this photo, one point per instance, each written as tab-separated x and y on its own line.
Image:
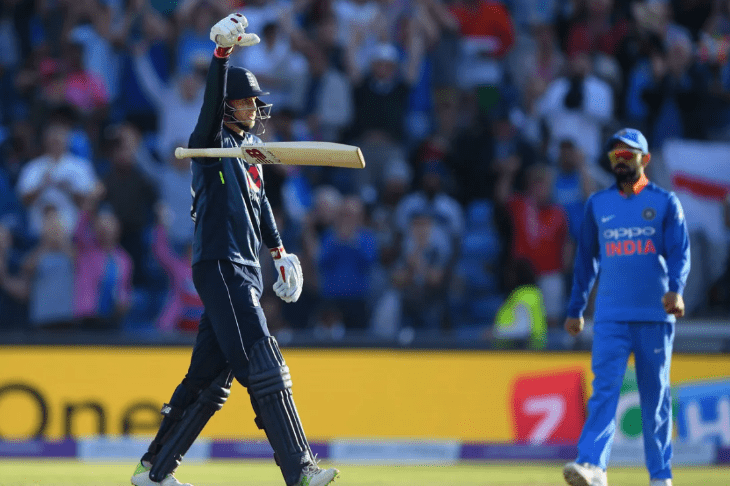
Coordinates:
481	122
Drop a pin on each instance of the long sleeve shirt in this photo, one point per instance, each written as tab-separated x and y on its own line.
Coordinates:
639	246
230	209
103	277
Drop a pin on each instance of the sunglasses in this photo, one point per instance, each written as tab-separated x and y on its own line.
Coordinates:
623	155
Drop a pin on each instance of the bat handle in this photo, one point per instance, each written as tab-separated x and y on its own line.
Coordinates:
180	153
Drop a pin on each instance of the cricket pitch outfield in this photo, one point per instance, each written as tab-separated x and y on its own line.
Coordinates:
52	472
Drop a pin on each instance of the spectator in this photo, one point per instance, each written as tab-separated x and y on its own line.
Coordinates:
183	308
462	141
276	65
675	94
193	19
380	98
10	55
508	142
476	289
714	51
526	117
324	97
147	33
487	35
177	103
361	27
347	256
421	274
601	30
538	55
261	12
172	178
11	211
131	195
326	38
92	25
528	13
318	221
18	148
577	105
692	15
69	81
539	234
13	287
573	185
57	178
79	143
48	273
385	319
520	322
445	210
103	270
395	187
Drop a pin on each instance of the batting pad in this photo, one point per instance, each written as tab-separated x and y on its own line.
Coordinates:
269	384
188	428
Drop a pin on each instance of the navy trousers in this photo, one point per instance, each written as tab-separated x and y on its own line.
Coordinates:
231	323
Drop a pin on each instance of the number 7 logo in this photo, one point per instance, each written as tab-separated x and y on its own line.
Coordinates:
548	407
551	411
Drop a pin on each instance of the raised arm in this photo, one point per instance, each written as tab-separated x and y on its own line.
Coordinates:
227	33
149	81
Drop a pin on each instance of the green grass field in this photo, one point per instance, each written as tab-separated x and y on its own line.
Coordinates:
239	473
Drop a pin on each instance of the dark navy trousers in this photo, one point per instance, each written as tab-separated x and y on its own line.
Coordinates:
231	323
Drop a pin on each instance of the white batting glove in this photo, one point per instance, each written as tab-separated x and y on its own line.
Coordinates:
231	31
289	284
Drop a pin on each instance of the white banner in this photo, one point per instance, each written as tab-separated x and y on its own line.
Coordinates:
700	174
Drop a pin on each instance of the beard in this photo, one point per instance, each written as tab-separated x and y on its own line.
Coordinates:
625	174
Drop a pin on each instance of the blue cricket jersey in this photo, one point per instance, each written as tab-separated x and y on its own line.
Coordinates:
639	246
230	209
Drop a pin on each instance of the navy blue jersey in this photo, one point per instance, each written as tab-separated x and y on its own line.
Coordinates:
231	212
640	248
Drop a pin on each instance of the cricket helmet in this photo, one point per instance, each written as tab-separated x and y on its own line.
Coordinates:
241	83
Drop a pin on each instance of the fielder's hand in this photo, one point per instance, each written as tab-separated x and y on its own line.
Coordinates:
574	325
673	304
230	32
289	284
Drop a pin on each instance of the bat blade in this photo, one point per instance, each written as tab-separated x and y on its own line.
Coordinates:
287	153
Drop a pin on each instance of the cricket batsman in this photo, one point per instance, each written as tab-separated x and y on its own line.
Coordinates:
232	219
635	237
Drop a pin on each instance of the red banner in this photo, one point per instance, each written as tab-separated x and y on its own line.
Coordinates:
549	408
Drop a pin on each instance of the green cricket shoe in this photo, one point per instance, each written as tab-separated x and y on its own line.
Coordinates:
141	477
316	476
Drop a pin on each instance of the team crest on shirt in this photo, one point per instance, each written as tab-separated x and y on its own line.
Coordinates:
648	214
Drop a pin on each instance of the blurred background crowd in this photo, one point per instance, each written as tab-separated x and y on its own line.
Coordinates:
482	124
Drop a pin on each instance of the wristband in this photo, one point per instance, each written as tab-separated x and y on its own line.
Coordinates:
276	253
222	52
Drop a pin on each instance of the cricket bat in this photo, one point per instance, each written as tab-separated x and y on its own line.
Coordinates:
286	153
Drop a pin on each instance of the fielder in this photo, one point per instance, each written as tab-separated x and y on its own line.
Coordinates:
232	219
635	234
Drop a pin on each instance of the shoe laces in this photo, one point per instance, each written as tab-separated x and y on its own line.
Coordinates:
313	467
